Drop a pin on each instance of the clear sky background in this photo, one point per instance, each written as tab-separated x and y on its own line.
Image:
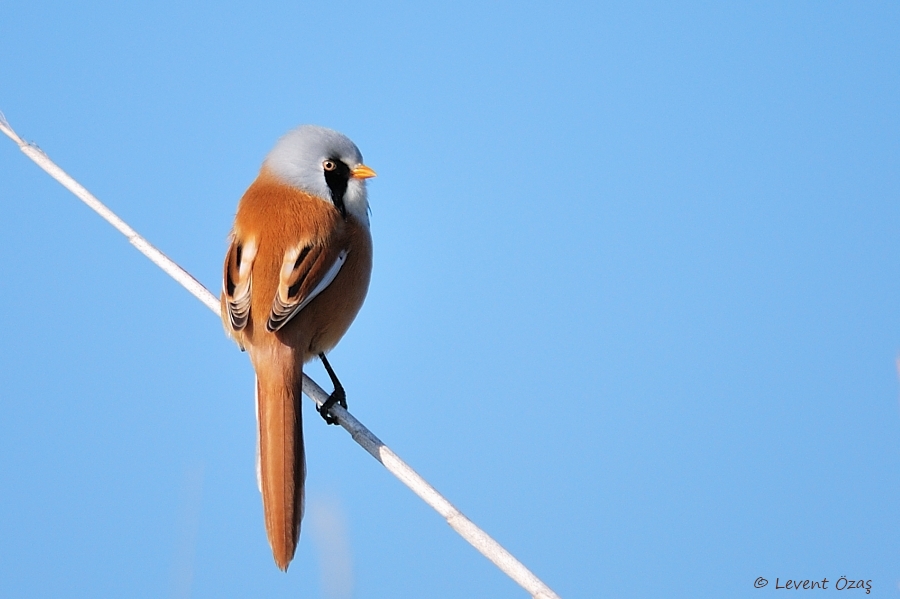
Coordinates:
635	306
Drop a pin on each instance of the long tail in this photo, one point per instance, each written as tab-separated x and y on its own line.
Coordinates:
282	464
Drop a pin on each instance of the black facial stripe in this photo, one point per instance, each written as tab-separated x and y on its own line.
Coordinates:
337	182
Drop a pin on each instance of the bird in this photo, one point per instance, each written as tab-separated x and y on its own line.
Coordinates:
296	274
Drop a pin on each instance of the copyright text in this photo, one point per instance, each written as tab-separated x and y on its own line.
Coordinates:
841	584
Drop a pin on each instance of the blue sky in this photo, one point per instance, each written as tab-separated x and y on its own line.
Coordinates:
634	307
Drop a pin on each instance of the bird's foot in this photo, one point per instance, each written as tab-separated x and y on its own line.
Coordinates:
338	397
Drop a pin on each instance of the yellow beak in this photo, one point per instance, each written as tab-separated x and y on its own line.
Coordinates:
362	172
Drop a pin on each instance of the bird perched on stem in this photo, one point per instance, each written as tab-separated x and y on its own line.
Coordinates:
296	273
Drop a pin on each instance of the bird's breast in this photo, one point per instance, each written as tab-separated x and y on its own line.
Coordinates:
278	219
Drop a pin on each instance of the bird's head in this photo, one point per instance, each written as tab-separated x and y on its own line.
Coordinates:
326	164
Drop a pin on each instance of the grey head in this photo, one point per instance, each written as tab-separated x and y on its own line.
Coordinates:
326	164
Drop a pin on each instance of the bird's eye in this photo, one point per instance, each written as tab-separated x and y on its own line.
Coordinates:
329	165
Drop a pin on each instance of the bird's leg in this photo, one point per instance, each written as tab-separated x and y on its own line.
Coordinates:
338	396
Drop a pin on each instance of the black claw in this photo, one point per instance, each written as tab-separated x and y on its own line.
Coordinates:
337	397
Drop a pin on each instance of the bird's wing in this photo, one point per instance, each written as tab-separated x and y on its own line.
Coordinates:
305	272
237	281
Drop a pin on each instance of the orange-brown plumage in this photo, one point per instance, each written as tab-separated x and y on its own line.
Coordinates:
285	244
279	216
